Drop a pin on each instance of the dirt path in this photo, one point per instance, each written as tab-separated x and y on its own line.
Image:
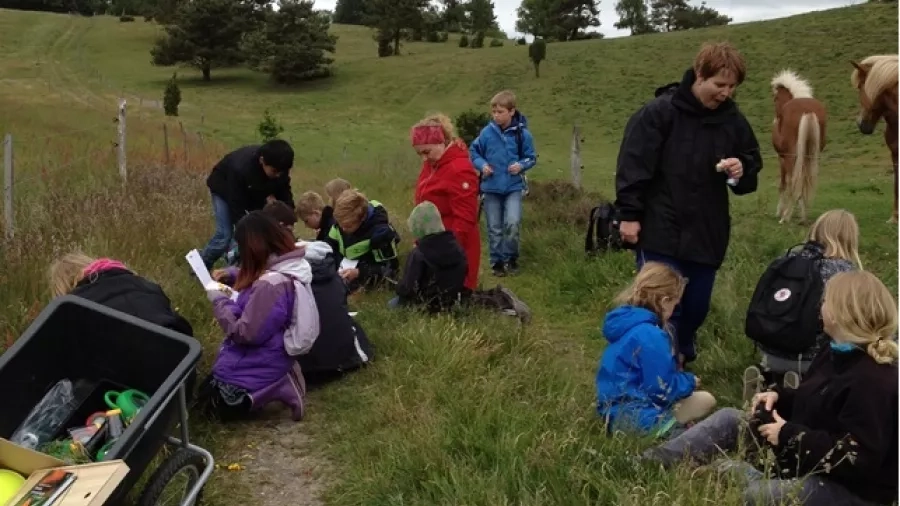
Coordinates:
278	466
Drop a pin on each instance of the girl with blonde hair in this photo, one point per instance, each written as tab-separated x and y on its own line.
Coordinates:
833	243
835	436
110	283
639	385
449	180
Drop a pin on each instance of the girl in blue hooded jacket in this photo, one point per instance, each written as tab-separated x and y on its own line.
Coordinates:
639	385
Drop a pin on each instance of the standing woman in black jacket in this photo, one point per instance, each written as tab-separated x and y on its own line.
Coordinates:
244	181
680	155
835	436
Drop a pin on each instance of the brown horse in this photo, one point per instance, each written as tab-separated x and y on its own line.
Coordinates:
798	136
876	79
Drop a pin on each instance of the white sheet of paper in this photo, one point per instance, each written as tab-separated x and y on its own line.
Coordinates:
353	314
348	264
199	268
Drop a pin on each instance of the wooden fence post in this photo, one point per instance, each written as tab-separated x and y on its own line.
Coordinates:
120	119
8	210
166	143
575	159
184	143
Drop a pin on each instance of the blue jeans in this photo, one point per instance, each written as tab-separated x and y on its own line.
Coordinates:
690	313
722	432
221	239
504	216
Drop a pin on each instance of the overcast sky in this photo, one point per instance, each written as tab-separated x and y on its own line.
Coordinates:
740	10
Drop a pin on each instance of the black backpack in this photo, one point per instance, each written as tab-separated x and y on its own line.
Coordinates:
784	312
603	230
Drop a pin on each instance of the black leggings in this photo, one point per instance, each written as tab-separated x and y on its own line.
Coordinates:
225	406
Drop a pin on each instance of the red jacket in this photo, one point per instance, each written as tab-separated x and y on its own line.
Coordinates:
452	186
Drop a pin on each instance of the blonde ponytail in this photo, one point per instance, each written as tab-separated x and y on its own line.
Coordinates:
863	312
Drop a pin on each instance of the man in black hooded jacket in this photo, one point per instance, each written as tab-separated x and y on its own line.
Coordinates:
246	180
680	155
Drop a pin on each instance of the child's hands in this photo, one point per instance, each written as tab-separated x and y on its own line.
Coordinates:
767	398
696	382
216	290
349	274
770	431
270	199
515	168
220	275
486	170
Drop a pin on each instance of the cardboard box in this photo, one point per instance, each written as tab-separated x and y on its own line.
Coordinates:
94	483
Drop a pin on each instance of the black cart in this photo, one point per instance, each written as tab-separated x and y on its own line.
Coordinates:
102	348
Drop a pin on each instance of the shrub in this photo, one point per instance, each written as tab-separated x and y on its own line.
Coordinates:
385	48
269	128
126	19
521	41
445	36
496	43
172	96
469	124
464	41
478	41
433	36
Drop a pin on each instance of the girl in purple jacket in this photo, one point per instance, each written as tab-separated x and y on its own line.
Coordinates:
252	368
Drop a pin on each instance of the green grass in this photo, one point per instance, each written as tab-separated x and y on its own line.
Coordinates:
454	411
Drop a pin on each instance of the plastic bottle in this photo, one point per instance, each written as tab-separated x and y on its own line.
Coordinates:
47	417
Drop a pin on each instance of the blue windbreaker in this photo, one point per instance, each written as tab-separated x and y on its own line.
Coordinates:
638	381
500	149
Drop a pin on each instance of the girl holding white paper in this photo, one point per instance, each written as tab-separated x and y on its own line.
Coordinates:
252	368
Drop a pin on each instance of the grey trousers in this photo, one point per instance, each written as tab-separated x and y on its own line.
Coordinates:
719	433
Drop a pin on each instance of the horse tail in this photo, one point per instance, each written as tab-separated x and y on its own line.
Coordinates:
806	165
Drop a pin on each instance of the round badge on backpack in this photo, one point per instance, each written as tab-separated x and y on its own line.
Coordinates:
782	295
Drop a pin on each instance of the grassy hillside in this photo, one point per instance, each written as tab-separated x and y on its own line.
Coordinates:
455	411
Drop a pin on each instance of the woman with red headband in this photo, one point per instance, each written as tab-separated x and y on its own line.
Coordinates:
449	180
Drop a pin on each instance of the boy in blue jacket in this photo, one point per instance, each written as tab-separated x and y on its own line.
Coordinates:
502	154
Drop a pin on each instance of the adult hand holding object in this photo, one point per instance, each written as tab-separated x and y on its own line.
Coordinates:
630	230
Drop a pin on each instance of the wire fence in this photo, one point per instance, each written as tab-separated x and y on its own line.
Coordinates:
96	153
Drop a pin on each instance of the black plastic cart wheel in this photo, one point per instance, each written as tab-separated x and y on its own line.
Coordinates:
172	480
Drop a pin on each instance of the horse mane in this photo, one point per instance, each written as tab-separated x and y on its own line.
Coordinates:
881	76
793	83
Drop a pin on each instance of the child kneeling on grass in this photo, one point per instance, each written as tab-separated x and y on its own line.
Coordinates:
253	368
435	270
363	234
835	437
639	386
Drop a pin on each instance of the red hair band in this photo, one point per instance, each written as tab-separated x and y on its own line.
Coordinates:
423	135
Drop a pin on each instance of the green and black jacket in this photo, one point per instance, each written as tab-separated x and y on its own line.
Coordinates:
373	245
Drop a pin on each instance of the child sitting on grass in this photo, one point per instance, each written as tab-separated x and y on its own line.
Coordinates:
435	269
639	386
364	235
281	212
833	242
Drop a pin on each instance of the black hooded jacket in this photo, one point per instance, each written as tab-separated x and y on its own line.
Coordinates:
342	344
434	273
666	176
241	181
131	294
